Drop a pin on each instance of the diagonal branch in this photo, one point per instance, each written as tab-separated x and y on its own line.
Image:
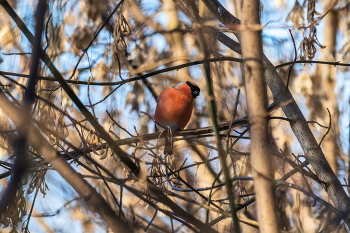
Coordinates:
292	111
124	157
20	143
41	145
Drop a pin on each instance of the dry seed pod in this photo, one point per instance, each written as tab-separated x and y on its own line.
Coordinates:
120	44
124	26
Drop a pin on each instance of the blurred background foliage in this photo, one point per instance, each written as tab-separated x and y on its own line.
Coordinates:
146	36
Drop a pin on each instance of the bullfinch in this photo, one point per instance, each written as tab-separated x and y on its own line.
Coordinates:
174	108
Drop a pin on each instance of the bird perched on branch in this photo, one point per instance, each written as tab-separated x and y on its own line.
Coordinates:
174	108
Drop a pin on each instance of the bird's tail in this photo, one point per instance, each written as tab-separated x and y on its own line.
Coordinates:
168	146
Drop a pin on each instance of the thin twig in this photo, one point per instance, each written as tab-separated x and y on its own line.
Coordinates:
329	127
20	143
295	58
150	222
311	62
46	31
104	23
140	77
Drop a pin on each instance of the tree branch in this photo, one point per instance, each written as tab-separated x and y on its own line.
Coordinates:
51	156
282	95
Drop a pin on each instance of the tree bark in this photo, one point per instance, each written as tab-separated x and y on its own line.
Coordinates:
324	81
89	194
124	157
256	93
283	98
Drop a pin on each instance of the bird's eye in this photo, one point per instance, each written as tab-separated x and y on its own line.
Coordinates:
196	92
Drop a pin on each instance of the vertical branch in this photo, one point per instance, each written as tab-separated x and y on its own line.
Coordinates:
69	91
124	157
283	97
86	191
214	120
27	130
256	92
327	77
20	143
29	94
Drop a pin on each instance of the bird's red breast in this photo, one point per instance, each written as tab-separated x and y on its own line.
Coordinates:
175	105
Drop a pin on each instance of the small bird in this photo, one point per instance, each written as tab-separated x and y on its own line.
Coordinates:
174	108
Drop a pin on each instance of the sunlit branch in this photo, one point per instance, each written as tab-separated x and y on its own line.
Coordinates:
140	77
311	62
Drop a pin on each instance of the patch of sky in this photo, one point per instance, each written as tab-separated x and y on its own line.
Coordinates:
58	194
159	42
150	7
183	17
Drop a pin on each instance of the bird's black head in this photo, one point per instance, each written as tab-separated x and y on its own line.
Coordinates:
194	88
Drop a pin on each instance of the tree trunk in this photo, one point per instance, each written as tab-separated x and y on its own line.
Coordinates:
324	82
256	93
